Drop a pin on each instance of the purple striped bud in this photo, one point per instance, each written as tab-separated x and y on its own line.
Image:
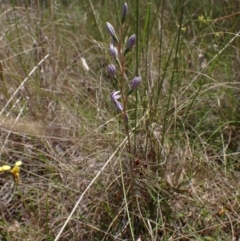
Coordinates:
135	82
113	51
111	30
124	12
131	41
111	69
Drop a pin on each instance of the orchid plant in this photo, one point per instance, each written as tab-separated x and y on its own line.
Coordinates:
118	53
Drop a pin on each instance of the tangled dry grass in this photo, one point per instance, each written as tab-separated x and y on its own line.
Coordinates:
56	117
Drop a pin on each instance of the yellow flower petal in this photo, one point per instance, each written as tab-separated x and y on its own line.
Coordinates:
18	163
6	167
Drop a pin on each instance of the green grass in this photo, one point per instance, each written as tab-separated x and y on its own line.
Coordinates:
79	181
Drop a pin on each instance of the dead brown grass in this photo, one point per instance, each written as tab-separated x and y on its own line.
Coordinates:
60	124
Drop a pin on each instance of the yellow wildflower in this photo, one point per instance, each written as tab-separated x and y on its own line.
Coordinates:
15	170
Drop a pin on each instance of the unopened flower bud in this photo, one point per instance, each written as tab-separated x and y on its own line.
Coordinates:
135	82
113	51
131	41
124	12
111	30
111	69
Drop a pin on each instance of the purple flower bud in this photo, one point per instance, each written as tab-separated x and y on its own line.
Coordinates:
113	51
111	69
110	29
131	41
135	82
124	12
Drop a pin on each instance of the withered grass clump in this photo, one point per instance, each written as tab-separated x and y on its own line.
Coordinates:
78	180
